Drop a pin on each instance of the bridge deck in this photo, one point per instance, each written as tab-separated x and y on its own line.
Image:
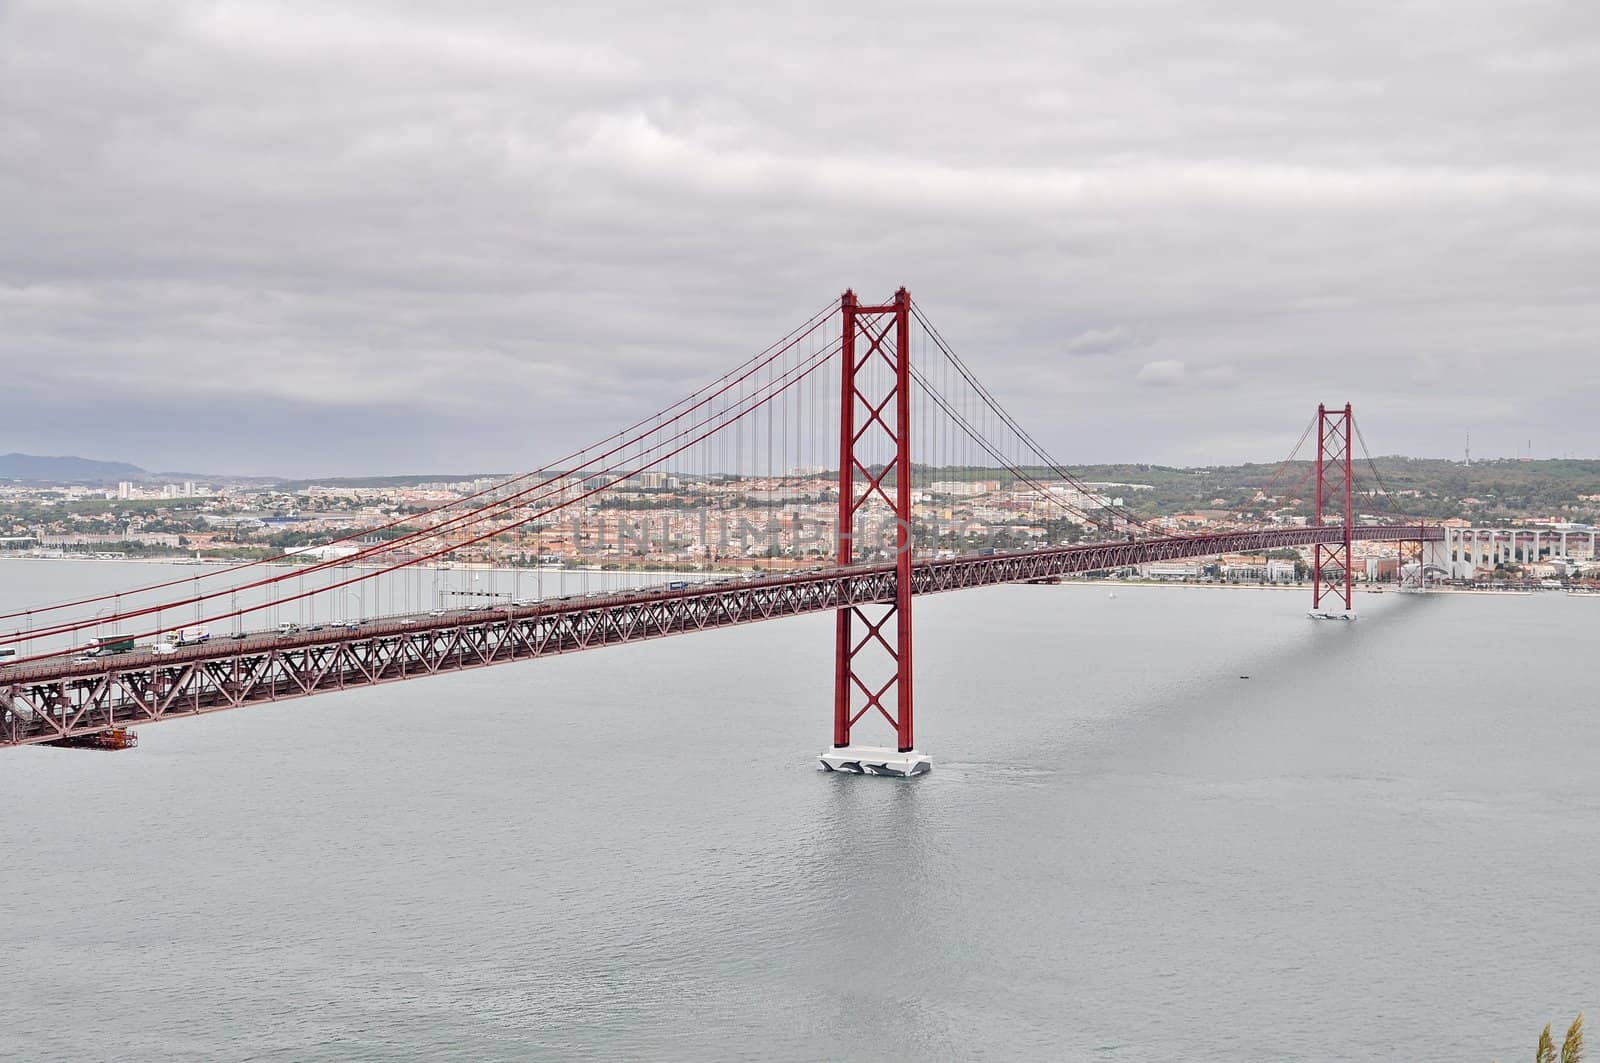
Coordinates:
60	697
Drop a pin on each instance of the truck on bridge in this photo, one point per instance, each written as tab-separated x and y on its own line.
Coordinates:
106	645
189	636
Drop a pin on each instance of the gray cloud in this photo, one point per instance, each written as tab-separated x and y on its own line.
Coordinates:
515	227
1108	340
1163	374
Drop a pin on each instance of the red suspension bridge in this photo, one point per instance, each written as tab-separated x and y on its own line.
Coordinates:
871	391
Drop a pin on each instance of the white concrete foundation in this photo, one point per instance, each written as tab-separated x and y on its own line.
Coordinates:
876	760
1332	614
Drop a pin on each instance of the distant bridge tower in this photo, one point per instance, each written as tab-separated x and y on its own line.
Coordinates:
872	669
1335	432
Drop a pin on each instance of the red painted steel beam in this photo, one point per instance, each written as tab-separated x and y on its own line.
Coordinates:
902	510
846	544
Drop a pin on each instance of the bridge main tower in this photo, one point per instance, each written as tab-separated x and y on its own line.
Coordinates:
872	667
1335	433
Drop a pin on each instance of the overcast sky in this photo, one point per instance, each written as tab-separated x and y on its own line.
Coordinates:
341	237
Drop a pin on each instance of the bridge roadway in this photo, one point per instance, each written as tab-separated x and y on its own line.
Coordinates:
62	697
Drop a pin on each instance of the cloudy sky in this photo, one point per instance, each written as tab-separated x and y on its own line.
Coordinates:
342	237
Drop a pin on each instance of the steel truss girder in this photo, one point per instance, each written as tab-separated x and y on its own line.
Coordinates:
47	700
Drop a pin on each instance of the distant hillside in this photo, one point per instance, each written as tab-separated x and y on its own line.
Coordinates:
65	470
387	481
1434	488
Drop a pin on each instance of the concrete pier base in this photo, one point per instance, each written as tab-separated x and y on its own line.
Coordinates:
1332	614
875	760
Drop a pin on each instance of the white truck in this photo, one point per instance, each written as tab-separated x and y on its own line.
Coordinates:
189	636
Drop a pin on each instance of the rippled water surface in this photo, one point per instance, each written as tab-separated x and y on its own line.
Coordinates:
1381	845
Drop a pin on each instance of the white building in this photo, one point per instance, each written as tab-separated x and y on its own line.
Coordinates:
957	488
1172	570
330	552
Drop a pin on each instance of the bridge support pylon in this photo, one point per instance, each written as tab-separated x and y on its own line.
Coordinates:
1335	432
872	668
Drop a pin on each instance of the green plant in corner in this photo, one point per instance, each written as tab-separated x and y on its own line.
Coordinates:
1571	1046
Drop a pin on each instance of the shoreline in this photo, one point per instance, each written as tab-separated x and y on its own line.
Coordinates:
483	567
1302	587
455	566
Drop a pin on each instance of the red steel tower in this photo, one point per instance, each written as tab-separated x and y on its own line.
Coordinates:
873	640
1335	429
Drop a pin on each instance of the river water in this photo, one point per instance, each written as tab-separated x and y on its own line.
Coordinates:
1382	845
